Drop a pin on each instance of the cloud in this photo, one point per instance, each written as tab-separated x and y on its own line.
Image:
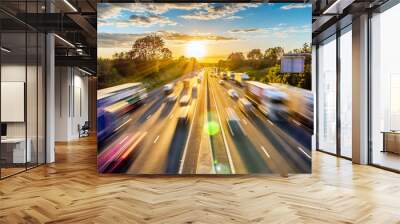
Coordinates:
112	40
126	40
137	20
217	11
232	17
296	6
286	31
148	14
248	30
150	20
171	35
107	10
281	31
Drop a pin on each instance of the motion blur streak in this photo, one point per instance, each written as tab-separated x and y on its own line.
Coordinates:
112	154
128	151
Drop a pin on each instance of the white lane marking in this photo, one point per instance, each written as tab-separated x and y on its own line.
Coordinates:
304	152
266	152
224	137
230	129
187	140
270	122
296	122
156	139
123	140
148	117
123	124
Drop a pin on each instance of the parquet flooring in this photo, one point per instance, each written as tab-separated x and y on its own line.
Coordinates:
71	191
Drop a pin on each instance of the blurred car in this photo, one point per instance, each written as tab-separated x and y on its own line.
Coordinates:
183	117
245	106
233	94
221	82
186	83
171	98
194	90
168	88
184	100
233	121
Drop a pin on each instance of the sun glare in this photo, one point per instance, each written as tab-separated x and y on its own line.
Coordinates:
196	49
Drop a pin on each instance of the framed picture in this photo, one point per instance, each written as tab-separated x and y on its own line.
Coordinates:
197	88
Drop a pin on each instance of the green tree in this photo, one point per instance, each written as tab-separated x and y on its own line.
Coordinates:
149	48
166	54
235	60
254	54
273	55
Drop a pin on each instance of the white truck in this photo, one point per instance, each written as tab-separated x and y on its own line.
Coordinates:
240	78
300	104
270	100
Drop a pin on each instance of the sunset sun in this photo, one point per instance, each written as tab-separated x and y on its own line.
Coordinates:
196	49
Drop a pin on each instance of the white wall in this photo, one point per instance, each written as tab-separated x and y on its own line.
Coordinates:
12	73
71	102
314	91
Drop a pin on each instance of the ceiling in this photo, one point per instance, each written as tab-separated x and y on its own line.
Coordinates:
331	15
73	21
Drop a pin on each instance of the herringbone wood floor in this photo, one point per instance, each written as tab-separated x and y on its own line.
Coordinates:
71	191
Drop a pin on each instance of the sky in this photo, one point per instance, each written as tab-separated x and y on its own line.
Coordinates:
216	29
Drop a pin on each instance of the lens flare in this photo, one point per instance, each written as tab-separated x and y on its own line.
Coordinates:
212	128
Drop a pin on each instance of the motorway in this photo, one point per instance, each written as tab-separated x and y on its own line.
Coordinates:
216	138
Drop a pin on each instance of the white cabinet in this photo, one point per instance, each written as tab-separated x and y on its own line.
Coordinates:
19	155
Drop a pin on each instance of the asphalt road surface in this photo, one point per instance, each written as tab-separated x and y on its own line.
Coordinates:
209	135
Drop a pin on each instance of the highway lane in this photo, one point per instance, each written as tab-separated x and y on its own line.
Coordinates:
164	146
161	126
292	128
193	142
143	110
179	145
296	155
221	154
158	120
247	156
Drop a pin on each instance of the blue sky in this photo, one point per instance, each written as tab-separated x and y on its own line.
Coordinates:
224	28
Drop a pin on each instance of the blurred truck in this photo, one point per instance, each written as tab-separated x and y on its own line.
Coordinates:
231	75
186	83
224	75
270	100
300	104
114	105
240	78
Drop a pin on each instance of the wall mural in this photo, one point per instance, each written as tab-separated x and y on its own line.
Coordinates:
204	88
